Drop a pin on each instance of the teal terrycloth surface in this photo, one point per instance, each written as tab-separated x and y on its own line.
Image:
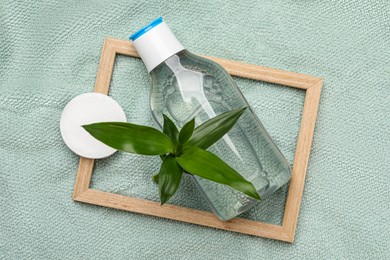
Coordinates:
49	53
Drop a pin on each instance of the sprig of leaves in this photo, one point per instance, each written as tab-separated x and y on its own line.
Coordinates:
180	151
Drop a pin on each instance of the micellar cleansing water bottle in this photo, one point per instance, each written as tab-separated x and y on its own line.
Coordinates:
184	86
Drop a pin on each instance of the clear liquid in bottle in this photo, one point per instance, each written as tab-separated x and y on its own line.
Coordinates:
185	86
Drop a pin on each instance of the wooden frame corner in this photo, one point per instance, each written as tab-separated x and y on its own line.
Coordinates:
285	232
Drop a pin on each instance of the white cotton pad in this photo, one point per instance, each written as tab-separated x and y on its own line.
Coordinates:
86	109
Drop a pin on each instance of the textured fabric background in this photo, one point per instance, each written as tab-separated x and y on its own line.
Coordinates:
49	53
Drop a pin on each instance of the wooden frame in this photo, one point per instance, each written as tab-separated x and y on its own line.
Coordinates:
286	231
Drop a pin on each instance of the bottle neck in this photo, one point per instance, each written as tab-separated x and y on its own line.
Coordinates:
157	45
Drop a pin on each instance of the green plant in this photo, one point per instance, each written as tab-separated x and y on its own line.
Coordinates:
180	151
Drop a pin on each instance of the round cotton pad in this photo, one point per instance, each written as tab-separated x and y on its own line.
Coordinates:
86	109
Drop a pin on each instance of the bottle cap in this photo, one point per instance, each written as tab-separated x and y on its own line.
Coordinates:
87	109
155	43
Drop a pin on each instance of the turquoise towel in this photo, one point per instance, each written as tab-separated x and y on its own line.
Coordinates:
49	53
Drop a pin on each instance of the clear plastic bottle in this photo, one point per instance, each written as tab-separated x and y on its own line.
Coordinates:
184	86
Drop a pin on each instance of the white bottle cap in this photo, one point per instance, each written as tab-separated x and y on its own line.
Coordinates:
155	43
86	109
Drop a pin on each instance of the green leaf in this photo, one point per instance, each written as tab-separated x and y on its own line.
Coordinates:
169	178
131	138
170	129
208	166
186	131
155	178
212	130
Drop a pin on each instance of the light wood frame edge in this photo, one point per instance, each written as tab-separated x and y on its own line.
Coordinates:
286	231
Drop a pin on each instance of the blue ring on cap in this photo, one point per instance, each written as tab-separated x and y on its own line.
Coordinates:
145	29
